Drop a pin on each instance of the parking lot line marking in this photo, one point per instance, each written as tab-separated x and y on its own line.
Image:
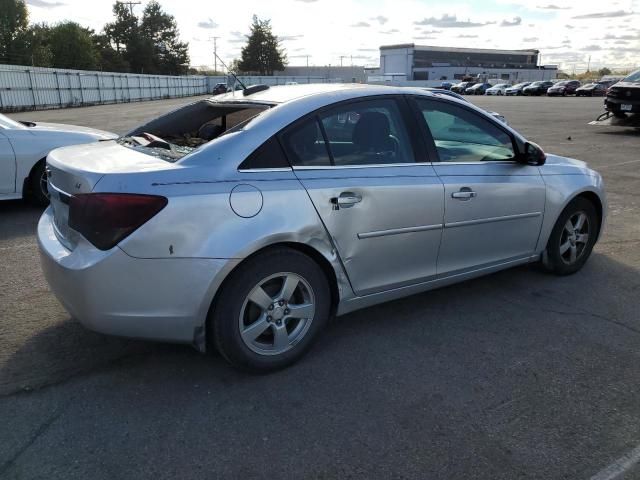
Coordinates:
620	466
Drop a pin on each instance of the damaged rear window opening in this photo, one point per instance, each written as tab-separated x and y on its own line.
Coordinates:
178	133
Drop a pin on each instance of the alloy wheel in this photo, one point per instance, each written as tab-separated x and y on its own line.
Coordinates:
574	238
277	313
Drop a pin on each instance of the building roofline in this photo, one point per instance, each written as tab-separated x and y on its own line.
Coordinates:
458	49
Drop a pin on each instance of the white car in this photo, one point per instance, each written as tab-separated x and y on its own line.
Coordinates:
498	89
24	146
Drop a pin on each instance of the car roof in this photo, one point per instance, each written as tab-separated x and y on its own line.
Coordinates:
290	103
285	93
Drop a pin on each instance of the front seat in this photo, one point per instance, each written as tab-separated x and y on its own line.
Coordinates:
371	135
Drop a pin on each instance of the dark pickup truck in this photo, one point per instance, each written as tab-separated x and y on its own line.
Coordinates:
624	97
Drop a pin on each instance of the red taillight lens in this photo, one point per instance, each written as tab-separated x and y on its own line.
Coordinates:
105	219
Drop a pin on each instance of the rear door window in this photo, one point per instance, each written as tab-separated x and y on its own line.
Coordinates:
369	132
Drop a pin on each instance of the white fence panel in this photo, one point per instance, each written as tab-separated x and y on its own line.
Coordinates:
32	88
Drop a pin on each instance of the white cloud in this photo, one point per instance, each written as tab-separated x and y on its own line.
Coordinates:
312	27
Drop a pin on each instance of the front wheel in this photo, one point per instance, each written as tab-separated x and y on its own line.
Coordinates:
271	310
38	184
572	238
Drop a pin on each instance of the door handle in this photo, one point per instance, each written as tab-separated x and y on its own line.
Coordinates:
465	193
345	200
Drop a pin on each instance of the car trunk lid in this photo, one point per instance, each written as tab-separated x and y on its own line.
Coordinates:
78	169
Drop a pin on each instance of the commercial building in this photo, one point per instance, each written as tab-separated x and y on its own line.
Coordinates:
410	62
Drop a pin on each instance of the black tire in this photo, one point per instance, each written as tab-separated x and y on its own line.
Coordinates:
38	185
224	319
556	261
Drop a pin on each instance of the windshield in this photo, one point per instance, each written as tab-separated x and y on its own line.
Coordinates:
520	85
6	122
634	77
561	84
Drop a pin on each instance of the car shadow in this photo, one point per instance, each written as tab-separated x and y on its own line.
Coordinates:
512	367
483	306
621	132
18	219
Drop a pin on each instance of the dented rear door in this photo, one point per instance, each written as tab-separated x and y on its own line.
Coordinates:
387	231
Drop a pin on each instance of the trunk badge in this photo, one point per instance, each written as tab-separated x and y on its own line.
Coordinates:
78	185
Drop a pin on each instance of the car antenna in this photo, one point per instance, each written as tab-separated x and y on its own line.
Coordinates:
244	87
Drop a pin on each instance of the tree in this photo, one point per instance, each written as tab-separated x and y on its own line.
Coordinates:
604	71
14	20
262	54
32	46
109	60
72	47
150	45
168	54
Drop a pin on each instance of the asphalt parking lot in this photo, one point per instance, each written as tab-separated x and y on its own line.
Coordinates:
516	375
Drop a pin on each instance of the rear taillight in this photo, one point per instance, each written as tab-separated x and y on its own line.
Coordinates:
105	219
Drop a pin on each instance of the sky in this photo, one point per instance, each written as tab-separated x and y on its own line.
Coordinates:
567	32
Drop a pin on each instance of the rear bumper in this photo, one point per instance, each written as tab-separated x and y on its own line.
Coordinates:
113	293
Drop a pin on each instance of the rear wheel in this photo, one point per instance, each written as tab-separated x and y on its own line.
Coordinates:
572	237
38	184
271	310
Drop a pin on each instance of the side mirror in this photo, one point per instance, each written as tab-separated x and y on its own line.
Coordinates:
533	155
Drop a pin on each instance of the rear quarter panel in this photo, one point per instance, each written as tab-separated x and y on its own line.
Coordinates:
199	221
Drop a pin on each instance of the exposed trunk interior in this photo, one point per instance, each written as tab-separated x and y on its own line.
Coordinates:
177	133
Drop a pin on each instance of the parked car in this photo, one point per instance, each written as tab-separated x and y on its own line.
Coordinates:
624	97
461	87
332	199
220	88
23	149
446	85
449	93
516	90
498	89
537	88
477	89
592	90
564	88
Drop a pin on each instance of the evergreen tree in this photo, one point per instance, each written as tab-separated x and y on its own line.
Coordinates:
159	29
262	54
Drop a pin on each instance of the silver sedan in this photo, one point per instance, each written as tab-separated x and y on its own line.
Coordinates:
244	222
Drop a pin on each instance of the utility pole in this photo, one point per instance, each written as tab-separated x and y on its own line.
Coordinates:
341	57
130	4
307	57
215	53
589	64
